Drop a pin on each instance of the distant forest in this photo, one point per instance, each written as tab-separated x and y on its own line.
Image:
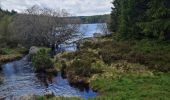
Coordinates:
94	19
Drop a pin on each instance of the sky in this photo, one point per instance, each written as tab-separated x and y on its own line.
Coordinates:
75	7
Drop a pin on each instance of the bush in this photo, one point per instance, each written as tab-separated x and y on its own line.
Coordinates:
81	67
42	61
98	67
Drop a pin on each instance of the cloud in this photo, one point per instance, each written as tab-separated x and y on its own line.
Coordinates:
75	7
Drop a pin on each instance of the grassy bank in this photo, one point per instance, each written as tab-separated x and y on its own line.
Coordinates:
121	69
9	54
58	98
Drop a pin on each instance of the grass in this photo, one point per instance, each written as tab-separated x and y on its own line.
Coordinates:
58	98
134	87
122	70
127	70
8	54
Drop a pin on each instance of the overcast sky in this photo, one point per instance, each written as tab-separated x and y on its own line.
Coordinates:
75	7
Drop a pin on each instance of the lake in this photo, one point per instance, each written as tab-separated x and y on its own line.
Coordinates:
88	31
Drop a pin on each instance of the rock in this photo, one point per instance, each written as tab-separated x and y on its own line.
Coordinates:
33	50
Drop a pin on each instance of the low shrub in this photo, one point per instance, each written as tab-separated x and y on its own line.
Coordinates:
42	61
81	67
98	67
85	67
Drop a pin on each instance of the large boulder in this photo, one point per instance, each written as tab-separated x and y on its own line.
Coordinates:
33	50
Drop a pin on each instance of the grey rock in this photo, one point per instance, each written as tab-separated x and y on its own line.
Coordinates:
33	50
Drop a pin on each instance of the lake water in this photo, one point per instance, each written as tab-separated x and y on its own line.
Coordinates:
88	31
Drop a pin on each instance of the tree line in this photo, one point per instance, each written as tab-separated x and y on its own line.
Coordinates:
93	19
139	19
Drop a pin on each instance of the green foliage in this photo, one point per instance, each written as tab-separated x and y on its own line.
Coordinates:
148	46
42	61
158	22
82	67
82	63
138	19
124	69
8	51
5	21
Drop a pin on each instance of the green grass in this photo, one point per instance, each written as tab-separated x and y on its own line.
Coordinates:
5	51
128	70
134	87
58	98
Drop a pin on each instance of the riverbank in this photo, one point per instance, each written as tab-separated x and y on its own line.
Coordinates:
118	69
121	69
10	54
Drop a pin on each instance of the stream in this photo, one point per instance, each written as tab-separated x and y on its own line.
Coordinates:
20	80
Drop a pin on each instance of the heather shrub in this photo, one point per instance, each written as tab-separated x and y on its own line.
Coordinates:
42	61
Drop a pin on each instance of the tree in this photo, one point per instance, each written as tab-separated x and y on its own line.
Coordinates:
114	16
157	24
44	26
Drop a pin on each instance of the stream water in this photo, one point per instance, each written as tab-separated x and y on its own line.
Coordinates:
20	80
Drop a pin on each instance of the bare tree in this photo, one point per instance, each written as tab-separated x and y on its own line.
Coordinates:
44	26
